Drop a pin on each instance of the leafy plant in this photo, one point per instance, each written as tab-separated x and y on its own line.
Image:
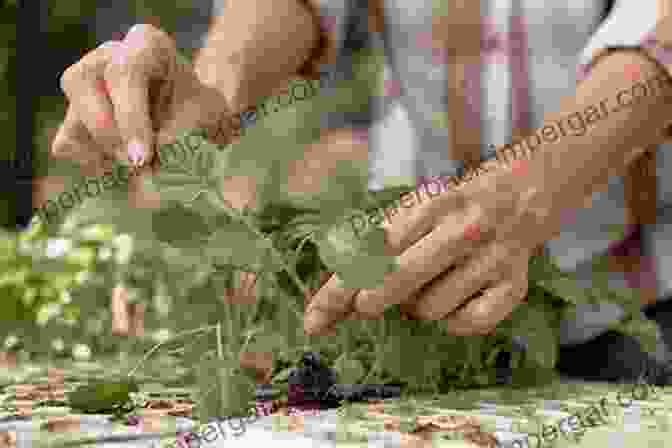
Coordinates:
291	241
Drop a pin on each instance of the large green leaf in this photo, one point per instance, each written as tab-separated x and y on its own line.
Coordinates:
236	244
537	323
179	226
361	262
349	370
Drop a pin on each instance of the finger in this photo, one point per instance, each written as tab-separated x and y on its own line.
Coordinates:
481	315
416	213
448	292
81	83
425	260
147	55
331	304
323	279
74	142
72	137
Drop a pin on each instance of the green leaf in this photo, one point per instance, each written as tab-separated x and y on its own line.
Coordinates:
642	329
179	226
537	323
237	244
101	397
270	342
361	262
349	370
282	376
345	188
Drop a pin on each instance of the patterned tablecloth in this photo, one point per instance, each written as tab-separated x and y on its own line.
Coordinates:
474	418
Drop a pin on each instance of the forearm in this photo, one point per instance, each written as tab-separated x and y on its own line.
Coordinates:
254	46
563	172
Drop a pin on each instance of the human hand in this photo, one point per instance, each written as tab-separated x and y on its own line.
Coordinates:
128	96
463	258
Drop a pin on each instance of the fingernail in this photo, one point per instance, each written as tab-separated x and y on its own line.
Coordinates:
137	152
315	322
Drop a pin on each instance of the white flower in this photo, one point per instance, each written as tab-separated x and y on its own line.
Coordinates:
58	345
48	312
124	246
81	352
58	247
96	232
82	277
162	335
65	297
105	254
11	342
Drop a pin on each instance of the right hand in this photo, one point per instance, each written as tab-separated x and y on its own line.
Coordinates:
128	97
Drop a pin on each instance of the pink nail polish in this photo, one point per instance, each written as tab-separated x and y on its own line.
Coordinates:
137	152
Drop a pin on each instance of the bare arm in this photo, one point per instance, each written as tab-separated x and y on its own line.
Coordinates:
252	49
570	165
254	46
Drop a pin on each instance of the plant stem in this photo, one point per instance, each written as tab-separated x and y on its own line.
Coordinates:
160	344
233	213
231	345
220	347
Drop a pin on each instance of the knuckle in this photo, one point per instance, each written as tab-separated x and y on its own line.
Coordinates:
69	78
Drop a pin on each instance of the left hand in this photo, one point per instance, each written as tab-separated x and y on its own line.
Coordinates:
464	258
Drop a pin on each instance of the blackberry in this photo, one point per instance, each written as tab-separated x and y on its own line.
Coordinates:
311	381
